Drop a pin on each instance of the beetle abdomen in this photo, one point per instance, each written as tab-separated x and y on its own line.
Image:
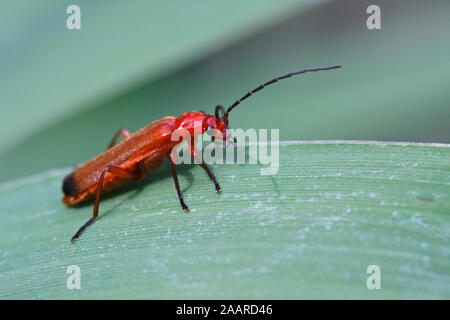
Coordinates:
109	183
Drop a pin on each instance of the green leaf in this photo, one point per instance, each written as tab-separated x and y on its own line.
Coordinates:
310	231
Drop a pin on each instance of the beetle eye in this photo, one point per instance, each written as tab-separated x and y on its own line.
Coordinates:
219	110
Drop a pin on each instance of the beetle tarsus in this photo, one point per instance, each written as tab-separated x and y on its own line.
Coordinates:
183	205
80	231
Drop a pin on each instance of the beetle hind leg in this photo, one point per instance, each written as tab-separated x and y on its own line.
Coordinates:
116	171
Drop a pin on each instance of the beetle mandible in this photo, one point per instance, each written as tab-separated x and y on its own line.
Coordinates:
142	152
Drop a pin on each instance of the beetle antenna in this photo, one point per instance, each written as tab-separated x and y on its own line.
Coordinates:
237	102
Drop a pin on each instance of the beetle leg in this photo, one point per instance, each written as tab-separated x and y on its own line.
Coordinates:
177	185
118	172
122	132
211	176
205	167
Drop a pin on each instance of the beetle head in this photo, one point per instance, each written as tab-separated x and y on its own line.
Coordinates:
217	127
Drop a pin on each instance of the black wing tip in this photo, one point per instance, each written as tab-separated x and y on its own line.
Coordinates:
69	186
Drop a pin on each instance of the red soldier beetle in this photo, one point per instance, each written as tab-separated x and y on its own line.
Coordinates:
142	152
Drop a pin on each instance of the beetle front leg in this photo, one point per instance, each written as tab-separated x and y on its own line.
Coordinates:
212	177
205	167
177	185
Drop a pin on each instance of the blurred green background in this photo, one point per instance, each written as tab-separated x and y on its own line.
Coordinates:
64	93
